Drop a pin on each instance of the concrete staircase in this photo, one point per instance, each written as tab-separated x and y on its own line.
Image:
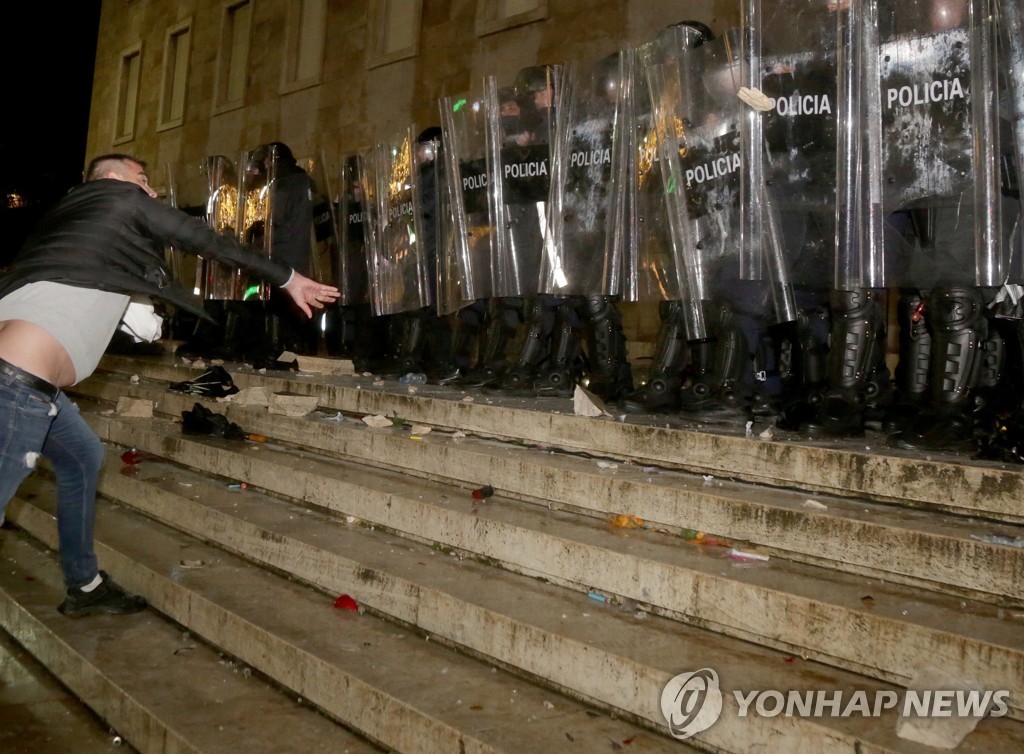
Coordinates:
527	621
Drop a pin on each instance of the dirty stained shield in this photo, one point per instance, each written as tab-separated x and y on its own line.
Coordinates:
519	182
1010	16
698	119
350	229
931	188
397	263
257	171
208	189
649	261
465	125
438	228
323	242
180	265
789	151
587	210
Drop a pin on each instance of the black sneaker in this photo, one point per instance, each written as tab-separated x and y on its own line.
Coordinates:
108	598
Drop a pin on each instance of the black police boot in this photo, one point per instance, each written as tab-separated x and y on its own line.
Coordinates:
911	380
960	331
854	374
610	374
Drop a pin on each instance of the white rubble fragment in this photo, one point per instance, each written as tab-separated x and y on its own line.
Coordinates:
585	403
755	98
376	421
134	379
708	480
459	435
288	356
768	434
420	429
939	732
749	429
199	364
285	404
606	465
251	396
31	459
815	505
318	365
468	399
135	408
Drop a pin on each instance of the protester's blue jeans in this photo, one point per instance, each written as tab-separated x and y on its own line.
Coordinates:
31	424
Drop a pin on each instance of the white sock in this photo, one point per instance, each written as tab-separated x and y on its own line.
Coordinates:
96	581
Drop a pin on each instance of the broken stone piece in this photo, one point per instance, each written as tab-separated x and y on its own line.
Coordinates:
251	396
585	403
287	404
136	408
376	420
939	732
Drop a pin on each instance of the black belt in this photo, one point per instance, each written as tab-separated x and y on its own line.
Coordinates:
9	371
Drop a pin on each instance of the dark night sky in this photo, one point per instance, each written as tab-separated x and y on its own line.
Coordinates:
48	54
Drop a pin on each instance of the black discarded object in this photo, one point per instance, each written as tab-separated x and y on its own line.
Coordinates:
275	364
215	382
202	421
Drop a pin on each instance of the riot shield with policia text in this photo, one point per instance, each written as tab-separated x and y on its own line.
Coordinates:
698	117
466	123
519	177
929	112
588	171
349	228
323	242
398	269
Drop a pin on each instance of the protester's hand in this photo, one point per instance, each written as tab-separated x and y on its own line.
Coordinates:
309	293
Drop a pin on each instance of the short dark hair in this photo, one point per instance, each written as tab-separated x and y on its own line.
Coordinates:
99	166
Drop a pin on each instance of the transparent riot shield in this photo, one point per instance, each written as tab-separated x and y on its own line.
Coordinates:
349	228
438	226
649	262
465	125
181	265
323	242
397	263
255	210
698	119
789	149
1010	16
519	177
208	189
929	113
584	255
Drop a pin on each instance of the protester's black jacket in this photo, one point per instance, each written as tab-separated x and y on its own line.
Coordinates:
111	235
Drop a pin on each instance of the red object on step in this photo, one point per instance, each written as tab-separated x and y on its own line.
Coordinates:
483	493
344	602
133	457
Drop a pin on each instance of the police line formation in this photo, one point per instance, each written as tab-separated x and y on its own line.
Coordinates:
769	187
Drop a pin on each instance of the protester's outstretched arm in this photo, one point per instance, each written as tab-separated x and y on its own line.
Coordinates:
309	293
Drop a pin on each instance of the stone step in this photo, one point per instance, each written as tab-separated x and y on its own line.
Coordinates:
861	468
927	549
39	716
159	688
614	656
878	629
385	681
